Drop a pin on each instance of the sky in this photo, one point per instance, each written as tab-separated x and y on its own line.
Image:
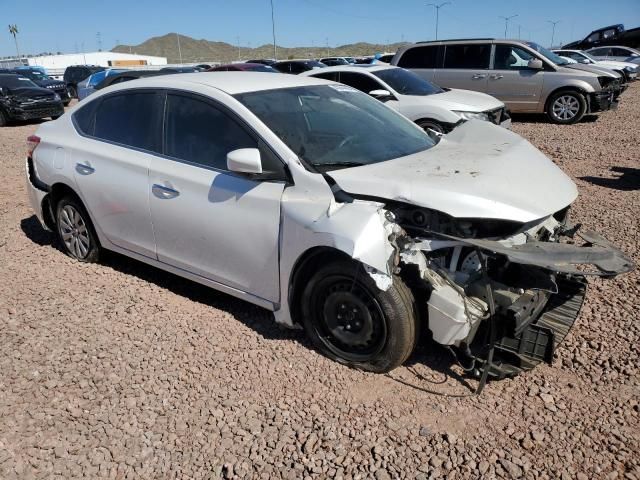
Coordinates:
73	26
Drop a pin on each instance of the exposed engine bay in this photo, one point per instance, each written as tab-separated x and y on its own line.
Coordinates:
501	294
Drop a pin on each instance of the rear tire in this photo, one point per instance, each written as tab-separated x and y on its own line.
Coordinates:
75	230
350	320
566	107
3	119
73	93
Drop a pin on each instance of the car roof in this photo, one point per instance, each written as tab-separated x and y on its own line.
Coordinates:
353	68
231	83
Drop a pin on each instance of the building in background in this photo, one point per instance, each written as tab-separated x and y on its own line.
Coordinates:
56	64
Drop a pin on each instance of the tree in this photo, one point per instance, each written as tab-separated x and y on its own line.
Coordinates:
13	30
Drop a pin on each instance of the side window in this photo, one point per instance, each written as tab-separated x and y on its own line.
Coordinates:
84	119
594	37
200	133
333	76
132	119
298	68
360	82
508	57
620	52
471	56
608	33
419	57
600	52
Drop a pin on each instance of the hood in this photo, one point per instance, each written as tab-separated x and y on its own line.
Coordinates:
461	100
593	69
477	171
31	92
49	82
614	64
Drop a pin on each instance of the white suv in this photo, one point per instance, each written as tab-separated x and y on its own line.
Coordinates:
422	102
321	204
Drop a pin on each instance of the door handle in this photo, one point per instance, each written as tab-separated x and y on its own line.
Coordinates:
478	76
163	192
497	77
84	169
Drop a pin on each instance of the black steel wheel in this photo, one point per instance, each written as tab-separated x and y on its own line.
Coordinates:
352	321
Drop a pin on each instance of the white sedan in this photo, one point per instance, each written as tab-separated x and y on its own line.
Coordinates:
319	203
627	69
422	102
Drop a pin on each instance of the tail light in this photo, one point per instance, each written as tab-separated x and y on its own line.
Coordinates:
32	142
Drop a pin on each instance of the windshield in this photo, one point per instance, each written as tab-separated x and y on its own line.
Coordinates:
15	81
96	78
336	126
263	68
557	59
407	83
585	54
35	75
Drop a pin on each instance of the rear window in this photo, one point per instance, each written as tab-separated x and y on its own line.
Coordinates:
471	56
419	57
131	119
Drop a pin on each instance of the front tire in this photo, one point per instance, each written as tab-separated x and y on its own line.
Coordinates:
73	93
566	107
428	124
75	231
350	320
3	119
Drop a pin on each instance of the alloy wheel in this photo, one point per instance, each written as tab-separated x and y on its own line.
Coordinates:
74	232
566	107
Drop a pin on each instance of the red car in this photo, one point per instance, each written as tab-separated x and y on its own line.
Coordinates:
243	67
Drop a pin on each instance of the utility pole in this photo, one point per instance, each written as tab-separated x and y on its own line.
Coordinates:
327	46
99	41
553	32
519	36
179	49
506	23
84	56
238	43
438	7
273	29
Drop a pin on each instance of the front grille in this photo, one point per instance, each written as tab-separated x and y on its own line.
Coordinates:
41	112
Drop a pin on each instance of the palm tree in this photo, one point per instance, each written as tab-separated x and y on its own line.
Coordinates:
13	30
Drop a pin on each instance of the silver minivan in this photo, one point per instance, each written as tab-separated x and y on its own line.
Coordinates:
523	75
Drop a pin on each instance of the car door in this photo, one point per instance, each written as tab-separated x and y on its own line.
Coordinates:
120	134
211	222
512	81
465	66
623	55
601	53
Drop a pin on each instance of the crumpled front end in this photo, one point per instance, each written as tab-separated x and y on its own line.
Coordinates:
501	295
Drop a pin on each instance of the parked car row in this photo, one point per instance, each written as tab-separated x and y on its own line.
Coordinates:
320	203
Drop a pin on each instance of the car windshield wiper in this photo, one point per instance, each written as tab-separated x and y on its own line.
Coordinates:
331	165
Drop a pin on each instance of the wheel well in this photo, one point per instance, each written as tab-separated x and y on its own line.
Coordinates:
305	266
58	191
567	89
447	126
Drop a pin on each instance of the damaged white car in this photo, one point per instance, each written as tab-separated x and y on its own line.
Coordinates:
317	202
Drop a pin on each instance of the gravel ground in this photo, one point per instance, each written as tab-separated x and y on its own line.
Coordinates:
119	370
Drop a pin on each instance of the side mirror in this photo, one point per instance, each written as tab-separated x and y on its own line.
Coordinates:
381	94
535	64
584	60
244	160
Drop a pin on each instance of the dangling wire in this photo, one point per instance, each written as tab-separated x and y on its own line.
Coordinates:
492	329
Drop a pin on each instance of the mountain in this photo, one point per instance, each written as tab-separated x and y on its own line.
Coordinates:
208	51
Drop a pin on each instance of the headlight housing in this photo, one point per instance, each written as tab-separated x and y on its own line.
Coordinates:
473	115
605	81
630	69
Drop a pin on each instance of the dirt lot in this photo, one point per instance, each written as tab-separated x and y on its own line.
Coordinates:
119	370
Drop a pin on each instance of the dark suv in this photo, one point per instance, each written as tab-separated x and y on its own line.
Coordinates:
75	74
21	99
45	81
